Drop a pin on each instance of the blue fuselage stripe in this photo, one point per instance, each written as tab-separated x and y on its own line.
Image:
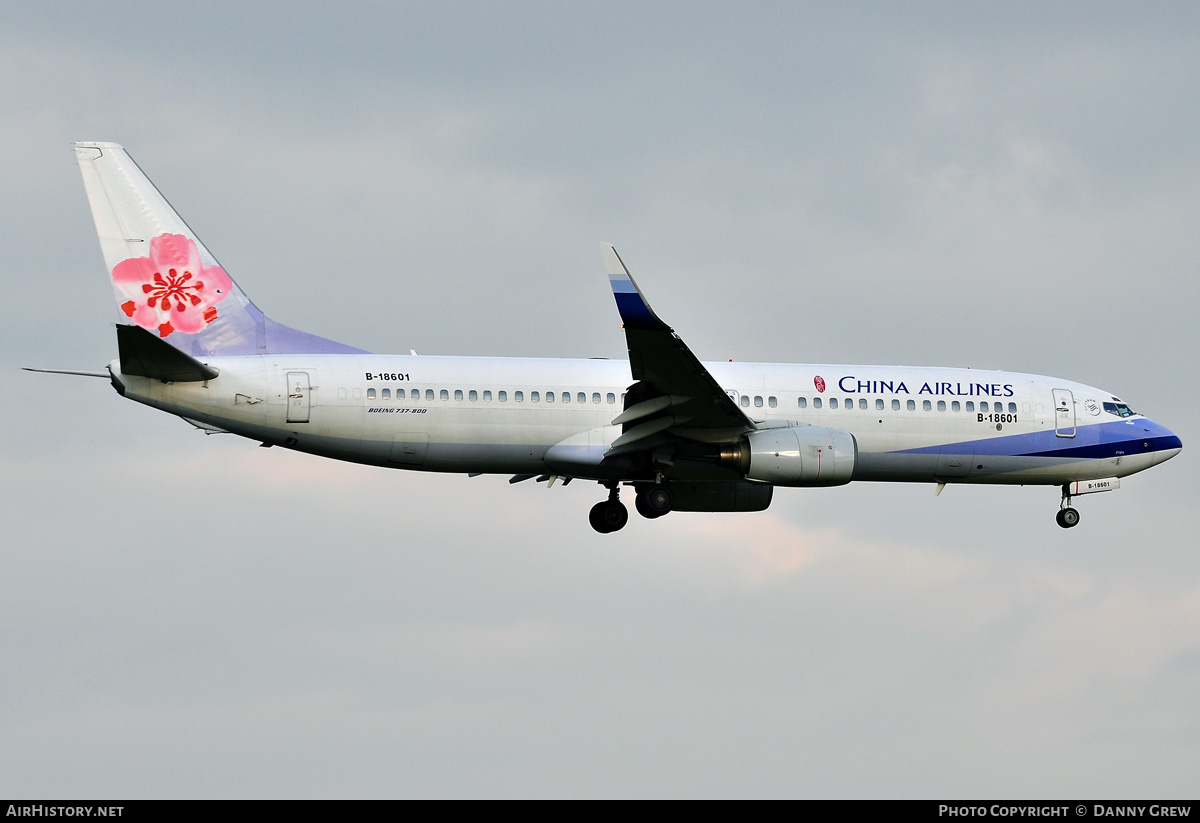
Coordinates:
1101	440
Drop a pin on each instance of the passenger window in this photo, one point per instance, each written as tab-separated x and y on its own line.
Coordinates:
473	395
833	403
487	397
849	404
895	405
862	403
955	406
566	397
370	394
518	396
534	397
970	405
925	405
879	403
444	395
611	399
596	397
745	401
758	401
386	394
581	398
549	397
983	407
941	405
429	394
502	396
1012	408
458	394
772	402
802	402
816	402
912	405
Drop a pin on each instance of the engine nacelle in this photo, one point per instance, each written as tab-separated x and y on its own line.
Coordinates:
799	456
720	497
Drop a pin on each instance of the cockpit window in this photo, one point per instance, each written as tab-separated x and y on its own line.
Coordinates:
1119	409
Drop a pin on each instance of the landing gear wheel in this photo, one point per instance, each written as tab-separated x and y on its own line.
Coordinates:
596	517
644	510
654	501
608	516
1067	517
659	499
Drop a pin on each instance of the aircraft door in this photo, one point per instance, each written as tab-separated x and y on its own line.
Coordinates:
1064	413
299	397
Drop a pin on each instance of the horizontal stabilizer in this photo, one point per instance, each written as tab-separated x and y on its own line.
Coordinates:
145	355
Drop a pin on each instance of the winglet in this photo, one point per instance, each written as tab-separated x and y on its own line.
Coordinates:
631	303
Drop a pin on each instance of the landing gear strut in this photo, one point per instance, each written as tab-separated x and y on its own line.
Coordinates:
609	515
654	501
1067	516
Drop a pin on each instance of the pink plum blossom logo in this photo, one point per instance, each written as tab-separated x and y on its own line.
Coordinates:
819	383
171	290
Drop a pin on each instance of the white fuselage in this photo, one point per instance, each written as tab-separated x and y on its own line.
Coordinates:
503	415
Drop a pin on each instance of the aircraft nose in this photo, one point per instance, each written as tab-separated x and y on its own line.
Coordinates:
1162	440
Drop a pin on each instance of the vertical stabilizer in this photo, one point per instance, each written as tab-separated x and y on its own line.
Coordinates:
163	277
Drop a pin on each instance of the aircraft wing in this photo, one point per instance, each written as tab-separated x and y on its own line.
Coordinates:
674	396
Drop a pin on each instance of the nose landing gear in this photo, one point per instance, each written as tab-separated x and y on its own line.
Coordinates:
1067	516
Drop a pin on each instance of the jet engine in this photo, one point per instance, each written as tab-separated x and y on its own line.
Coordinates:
799	456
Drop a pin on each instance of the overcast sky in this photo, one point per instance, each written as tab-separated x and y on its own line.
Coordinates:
1006	185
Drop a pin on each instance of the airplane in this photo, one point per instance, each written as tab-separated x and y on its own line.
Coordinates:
685	435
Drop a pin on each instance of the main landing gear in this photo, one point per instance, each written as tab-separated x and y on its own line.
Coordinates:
609	515
1067	516
653	500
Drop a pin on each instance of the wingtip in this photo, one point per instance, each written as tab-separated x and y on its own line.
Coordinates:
612	260
635	311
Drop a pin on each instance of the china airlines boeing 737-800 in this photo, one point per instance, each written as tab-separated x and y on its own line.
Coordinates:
686	435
